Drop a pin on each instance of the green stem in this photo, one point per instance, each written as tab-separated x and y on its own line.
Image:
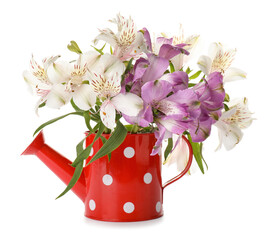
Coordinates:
134	129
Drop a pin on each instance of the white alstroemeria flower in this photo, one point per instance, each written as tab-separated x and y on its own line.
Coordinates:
191	41
76	79
48	90
105	81
220	60
231	122
179	155
127	42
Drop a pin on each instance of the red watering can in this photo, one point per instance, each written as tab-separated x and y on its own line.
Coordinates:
126	188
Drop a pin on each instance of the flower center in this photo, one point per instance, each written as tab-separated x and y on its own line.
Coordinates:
104	87
242	116
222	61
78	74
39	72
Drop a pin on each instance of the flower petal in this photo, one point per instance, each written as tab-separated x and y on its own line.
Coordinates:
154	91
215	83
200	130
84	97
90	58
30	78
173	110
128	103
136	49
57	97
178	61
139	68
49	61
109	65
147	38
205	64
191	42
169	51
231	136
233	74
228	114
214	49
179	154
160	41
155	70
59	72
108	114
174	126
144	118
160	135
108	36
179	79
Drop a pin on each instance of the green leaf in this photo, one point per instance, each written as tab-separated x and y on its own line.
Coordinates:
226	98
202	156
76	108
78	168
168	148
194	76
197	153
135	128
96	127
56	119
74	47
103	139
42	105
85	153
191	84
226	108
112	143
172	68
100	50
188	70
128	127
87	118
95	117
79	147
129	66
76	176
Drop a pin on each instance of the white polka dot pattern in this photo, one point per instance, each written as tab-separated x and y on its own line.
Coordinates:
158	206
147	178
107	179
92	205
129	152
128	207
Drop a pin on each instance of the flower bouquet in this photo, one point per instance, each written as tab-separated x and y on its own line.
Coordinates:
133	85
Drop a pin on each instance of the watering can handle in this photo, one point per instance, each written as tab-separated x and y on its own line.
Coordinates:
188	165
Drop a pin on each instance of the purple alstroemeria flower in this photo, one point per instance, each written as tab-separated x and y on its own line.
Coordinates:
211	92
154	94
178	79
145	70
163	47
172	114
153	69
211	96
203	103
168	101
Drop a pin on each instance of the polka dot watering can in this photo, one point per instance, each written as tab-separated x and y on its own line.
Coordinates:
126	188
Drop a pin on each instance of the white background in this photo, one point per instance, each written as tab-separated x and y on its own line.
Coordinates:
233	200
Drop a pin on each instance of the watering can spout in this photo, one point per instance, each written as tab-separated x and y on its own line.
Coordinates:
60	165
